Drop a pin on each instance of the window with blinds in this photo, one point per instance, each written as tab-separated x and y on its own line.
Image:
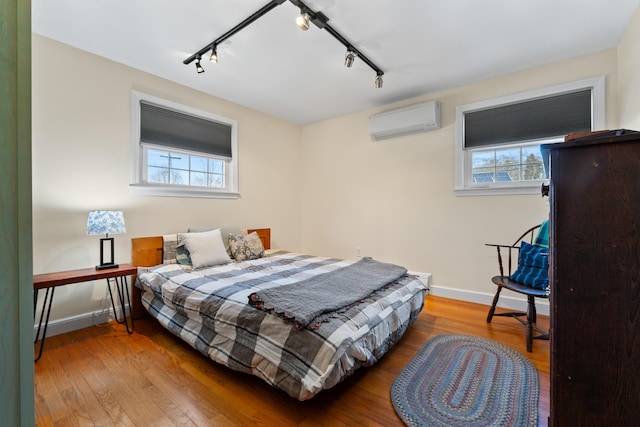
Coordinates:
548	117
498	141
181	151
164	127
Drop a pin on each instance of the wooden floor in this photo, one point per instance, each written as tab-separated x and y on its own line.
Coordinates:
102	376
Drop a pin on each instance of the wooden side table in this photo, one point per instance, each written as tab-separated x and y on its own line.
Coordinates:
50	281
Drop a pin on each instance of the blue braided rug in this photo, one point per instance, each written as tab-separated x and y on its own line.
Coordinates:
460	380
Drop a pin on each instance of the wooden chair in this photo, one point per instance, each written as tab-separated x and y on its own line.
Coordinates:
502	281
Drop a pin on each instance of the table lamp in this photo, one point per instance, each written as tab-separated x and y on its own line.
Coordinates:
106	222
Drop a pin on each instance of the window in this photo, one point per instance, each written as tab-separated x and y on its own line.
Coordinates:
181	151
498	140
181	168
515	163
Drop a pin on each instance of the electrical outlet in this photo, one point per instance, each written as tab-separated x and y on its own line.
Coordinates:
424	277
358	252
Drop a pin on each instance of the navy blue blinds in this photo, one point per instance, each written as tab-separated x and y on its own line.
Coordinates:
552	116
169	128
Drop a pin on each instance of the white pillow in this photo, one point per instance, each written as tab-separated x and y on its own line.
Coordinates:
206	249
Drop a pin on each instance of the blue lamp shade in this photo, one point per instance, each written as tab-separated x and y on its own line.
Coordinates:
106	222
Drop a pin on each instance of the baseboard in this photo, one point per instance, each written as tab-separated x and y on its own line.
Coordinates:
510	301
81	321
506	301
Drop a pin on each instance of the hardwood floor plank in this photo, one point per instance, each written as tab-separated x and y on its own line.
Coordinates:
47	398
102	383
103	376
57	405
134	393
87	408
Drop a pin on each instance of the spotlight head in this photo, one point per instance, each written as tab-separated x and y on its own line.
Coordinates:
214	55
199	68
378	81
349	58
303	21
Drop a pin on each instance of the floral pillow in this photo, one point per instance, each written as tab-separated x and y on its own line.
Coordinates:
245	247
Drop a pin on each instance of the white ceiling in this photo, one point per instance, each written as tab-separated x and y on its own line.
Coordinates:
272	66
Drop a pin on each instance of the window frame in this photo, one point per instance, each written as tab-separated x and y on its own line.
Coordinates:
138	184
464	185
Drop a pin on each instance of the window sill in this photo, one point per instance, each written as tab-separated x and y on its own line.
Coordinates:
162	191
510	190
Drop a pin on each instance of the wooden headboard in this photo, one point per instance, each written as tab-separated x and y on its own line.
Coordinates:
147	252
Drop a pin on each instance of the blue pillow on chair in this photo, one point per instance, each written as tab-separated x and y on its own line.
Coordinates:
533	266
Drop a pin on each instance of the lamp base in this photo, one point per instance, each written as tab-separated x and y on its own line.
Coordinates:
106	266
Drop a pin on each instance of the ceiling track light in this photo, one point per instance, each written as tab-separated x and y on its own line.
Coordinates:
378	81
302	21
214	54
349	57
307	15
199	68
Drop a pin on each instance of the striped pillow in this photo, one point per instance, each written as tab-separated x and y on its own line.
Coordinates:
533	266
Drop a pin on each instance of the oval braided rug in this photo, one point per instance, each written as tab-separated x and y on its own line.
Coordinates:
460	380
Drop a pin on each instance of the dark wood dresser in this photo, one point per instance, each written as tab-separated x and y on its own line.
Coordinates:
595	281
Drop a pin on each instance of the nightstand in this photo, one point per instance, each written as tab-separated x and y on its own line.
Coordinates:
49	281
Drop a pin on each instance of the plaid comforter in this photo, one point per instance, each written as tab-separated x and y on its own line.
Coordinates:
209	309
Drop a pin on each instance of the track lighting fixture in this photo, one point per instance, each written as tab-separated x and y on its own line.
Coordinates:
214	54
319	19
303	21
348	58
378	81
198	66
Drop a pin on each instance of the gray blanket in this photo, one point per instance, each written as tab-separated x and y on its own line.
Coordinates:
307	302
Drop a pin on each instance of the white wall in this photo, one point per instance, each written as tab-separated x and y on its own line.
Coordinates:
394	198
81	137
629	75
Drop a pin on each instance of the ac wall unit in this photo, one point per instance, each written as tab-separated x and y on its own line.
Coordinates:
404	121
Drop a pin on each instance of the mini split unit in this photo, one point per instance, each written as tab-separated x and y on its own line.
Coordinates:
405	121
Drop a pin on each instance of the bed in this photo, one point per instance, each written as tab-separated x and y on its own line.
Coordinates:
230	312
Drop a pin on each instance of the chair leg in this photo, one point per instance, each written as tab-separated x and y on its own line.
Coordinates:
532	306
492	310
531	320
